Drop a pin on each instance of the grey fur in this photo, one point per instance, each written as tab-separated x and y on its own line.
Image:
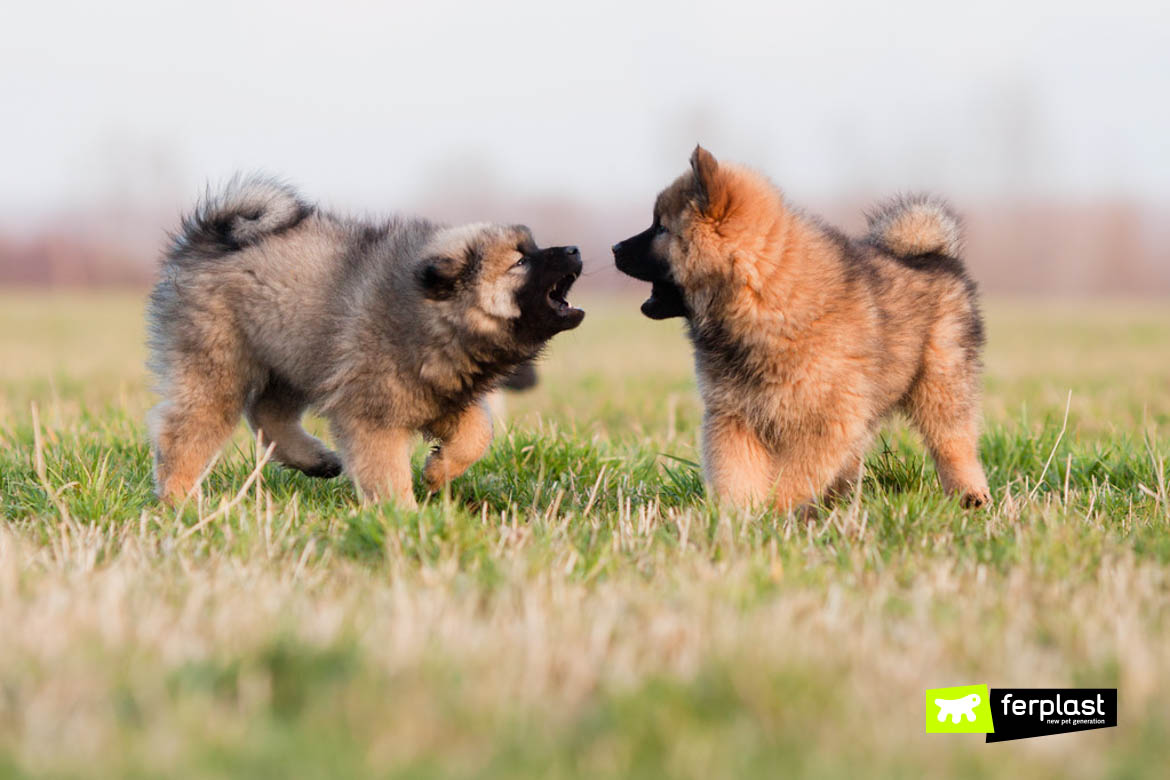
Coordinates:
267	306
244	211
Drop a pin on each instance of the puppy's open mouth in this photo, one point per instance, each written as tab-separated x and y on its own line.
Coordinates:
557	295
665	301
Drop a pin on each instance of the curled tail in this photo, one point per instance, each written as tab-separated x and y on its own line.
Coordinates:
243	213
917	225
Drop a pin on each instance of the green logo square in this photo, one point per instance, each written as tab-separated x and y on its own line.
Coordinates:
965	709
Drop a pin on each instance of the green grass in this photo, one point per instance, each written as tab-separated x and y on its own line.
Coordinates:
573	607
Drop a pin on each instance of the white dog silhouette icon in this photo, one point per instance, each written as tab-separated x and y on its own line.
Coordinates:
957	708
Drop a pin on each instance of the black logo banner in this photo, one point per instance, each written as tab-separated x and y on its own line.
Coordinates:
1020	713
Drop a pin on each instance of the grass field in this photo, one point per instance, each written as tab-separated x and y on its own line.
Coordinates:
573	607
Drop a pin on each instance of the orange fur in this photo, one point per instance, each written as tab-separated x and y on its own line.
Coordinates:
805	339
464	441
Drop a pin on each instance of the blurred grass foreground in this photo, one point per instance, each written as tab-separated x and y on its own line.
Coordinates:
573	607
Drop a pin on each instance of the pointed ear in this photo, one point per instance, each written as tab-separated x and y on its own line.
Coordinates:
437	277
709	194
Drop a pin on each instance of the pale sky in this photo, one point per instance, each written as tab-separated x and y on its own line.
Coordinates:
370	104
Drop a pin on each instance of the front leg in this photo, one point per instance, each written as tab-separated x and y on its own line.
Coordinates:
814	464
463	439
744	471
378	460
739	468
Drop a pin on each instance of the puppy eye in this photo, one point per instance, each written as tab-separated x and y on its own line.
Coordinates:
661	229
523	261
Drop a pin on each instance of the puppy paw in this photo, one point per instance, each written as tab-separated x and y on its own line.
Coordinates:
328	467
435	475
974	499
808	513
372	499
440	470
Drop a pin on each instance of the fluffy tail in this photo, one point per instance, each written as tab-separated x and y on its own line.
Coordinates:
917	225
244	212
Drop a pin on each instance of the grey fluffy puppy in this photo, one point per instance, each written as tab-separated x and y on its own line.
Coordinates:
267	306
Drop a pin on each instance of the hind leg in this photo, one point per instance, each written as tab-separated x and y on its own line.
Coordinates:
954	445
188	429
944	405
462	441
276	413
204	371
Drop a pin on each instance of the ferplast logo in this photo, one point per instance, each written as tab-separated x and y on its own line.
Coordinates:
964	709
1005	714
1023	713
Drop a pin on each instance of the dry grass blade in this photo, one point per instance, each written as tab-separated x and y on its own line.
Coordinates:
223	510
39	466
1051	455
593	492
1159	468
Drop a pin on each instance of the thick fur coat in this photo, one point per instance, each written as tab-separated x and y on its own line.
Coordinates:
267	306
806	339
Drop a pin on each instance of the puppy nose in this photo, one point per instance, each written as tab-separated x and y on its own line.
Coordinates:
616	247
571	250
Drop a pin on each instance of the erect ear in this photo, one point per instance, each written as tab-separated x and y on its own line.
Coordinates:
710	192
437	276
